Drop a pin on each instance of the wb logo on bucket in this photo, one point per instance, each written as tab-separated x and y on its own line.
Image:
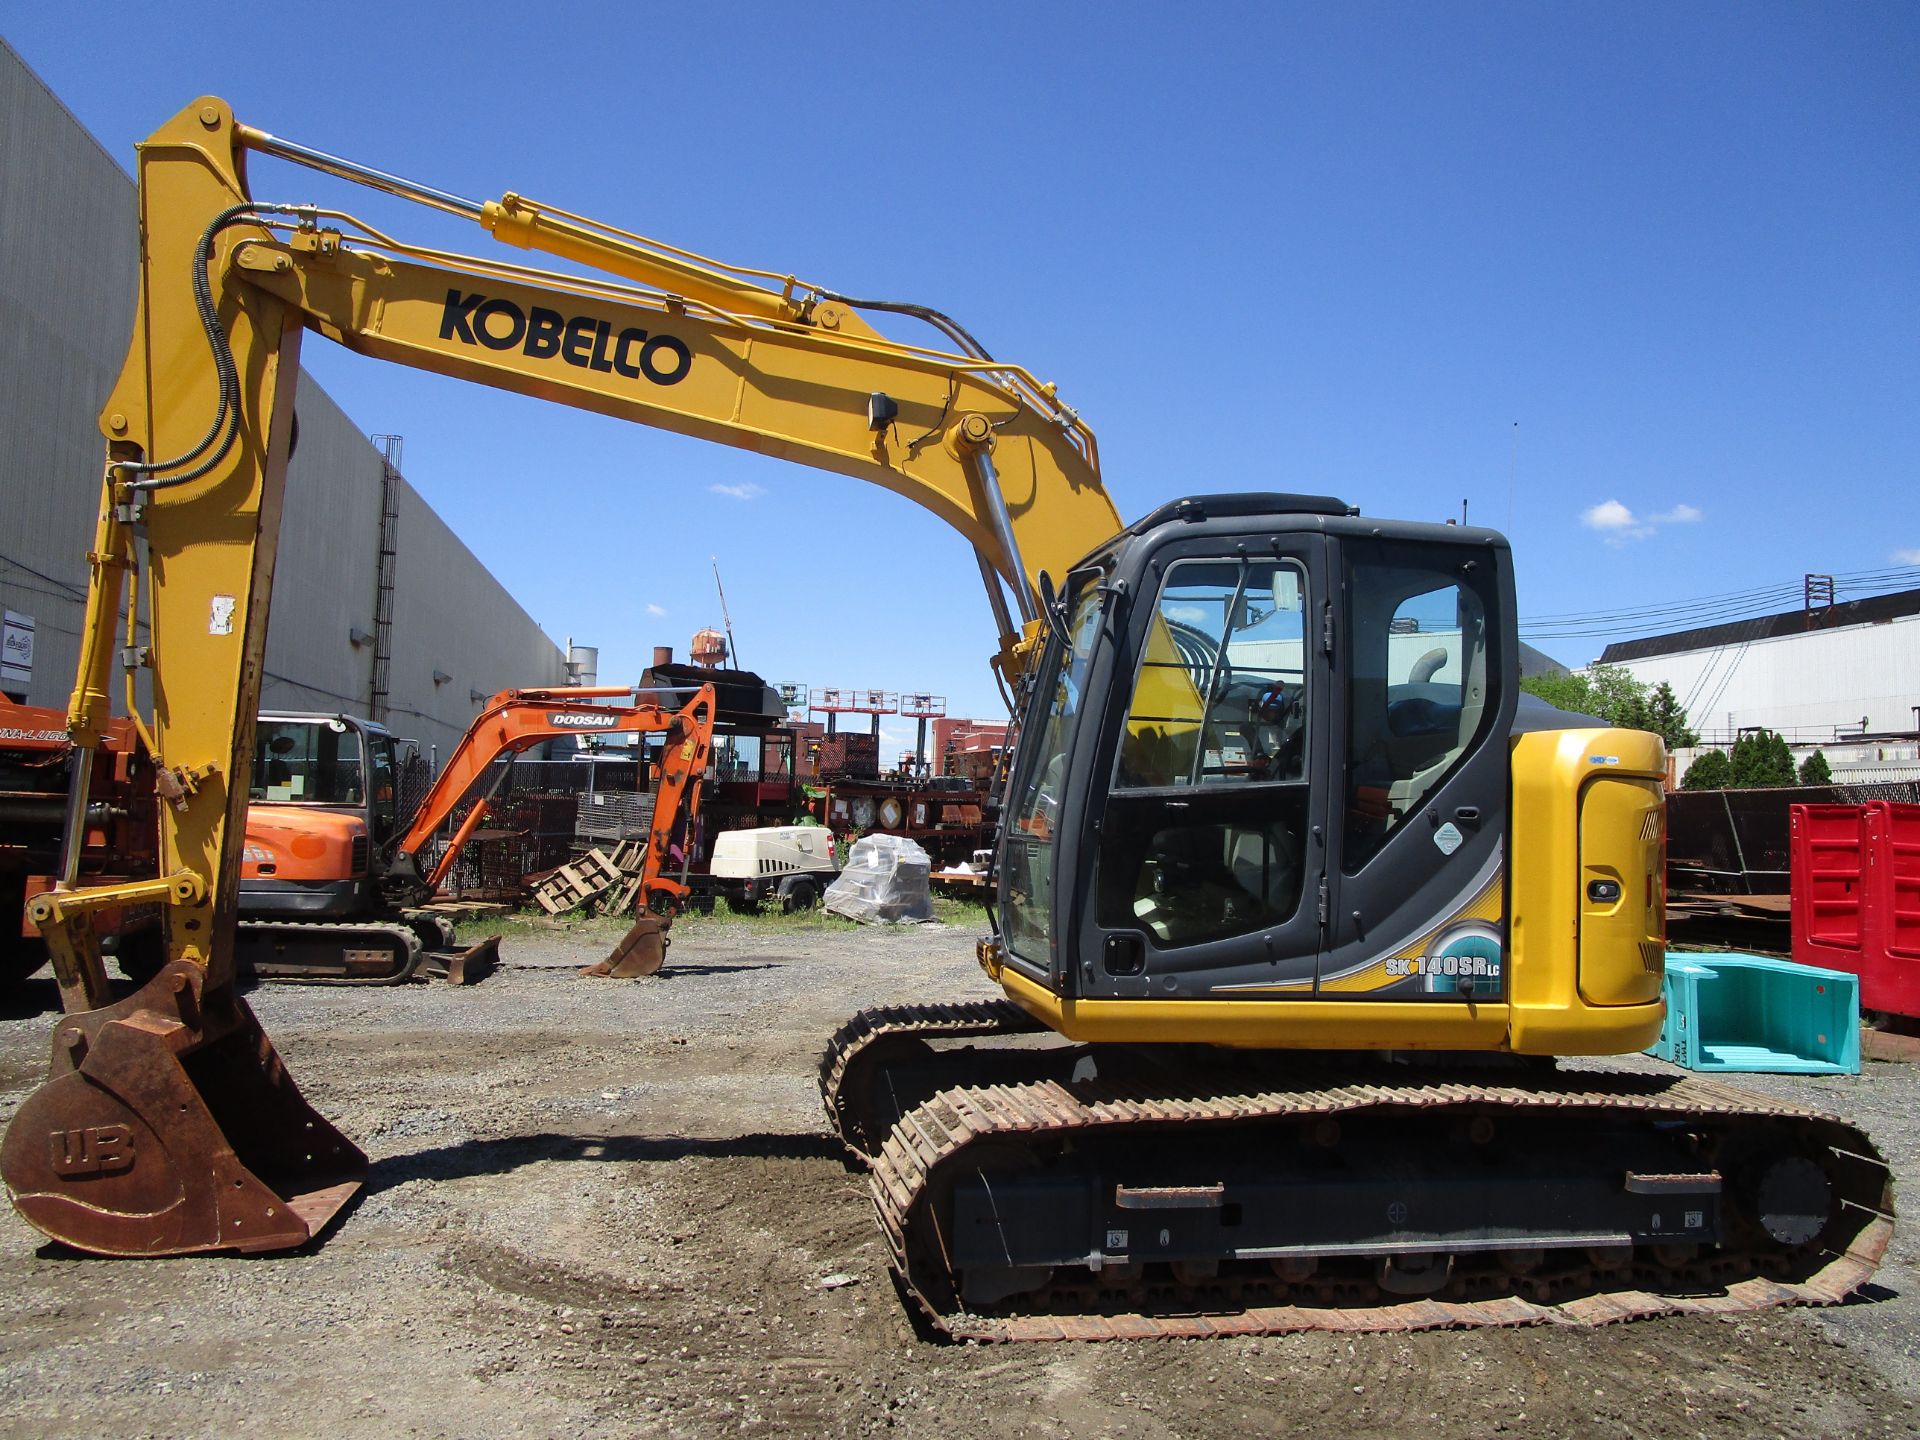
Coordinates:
96	1150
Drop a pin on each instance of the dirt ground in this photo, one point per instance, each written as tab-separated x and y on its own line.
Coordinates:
603	1209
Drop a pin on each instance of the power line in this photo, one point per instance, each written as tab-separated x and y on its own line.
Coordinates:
69	591
1710	610
1854	580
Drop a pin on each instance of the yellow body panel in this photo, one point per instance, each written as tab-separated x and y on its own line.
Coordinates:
1559	942
1298	1024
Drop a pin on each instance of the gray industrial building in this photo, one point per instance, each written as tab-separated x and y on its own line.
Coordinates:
1841	677
67	270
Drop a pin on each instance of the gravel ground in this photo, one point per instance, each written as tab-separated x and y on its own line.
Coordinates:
601	1209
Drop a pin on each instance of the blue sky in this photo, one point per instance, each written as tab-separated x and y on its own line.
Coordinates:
1637	281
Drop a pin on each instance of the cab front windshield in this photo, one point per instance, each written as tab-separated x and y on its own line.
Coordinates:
307	761
1032	815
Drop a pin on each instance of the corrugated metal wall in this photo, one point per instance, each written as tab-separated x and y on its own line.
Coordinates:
67	255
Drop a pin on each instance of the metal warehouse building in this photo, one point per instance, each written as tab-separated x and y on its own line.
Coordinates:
67	264
1843	677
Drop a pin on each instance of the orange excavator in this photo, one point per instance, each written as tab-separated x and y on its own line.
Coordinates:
333	880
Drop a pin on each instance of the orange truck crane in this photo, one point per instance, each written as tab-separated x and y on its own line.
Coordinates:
1309	899
331	879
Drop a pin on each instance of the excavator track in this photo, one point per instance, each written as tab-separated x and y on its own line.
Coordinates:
1343	1195
420	946
446	958
862	1069
324	953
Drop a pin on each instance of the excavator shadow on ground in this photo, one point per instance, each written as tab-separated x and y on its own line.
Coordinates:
474	1158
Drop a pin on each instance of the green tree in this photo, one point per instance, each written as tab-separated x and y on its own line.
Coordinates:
1814	770
1667	720
1618	697
1564	691
1622	697
1710	770
1760	761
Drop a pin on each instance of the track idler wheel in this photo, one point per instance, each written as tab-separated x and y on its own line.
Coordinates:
168	1125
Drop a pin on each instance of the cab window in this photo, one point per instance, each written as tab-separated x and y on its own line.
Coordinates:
311	761
1418	684
1029	830
1220	695
1218	711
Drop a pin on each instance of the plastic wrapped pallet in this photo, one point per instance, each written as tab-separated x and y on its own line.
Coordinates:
884	882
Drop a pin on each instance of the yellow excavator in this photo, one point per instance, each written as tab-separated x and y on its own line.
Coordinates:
1309	900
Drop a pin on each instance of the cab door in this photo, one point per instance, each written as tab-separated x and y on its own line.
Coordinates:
1207	806
1420	769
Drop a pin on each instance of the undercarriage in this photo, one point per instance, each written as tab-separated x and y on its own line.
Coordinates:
415	945
1034	1189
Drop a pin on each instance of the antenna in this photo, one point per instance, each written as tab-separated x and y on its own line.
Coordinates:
725	618
1513	470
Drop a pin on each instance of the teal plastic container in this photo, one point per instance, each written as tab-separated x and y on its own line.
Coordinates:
1760	1016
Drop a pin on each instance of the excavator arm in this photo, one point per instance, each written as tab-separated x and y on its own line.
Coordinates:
199	427
516	720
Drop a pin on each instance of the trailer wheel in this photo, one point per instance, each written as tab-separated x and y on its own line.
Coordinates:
799	894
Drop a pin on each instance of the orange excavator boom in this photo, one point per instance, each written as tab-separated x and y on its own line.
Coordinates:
514	721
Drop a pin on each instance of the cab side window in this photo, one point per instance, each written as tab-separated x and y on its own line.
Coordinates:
1220	697
1418	685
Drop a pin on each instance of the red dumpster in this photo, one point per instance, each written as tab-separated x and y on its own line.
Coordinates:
1856	897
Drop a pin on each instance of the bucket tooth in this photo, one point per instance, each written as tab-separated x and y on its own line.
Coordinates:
169	1126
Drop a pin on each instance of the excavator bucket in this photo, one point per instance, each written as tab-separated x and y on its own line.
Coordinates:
168	1126
641	951
466	966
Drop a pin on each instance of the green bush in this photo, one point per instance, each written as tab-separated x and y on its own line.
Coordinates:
1709	771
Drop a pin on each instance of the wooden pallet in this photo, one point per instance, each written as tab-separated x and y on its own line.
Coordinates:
620	899
574	884
593	875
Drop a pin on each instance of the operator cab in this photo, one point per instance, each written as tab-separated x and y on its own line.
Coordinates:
1265	757
332	762
323	816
